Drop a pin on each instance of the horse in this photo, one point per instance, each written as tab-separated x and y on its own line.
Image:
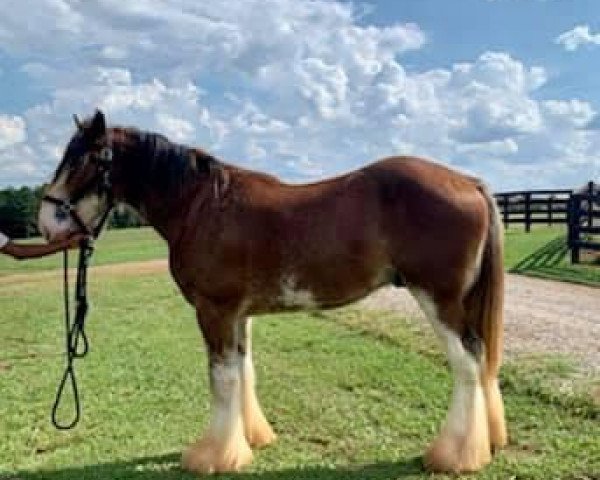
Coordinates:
243	243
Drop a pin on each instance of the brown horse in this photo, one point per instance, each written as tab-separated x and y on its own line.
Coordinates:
242	243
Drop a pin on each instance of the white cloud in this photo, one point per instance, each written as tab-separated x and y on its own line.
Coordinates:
578	36
12	131
251	120
324	85
111	52
177	129
18	162
568	114
295	87
494	148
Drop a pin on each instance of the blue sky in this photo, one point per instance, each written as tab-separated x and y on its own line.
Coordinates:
461	30
505	89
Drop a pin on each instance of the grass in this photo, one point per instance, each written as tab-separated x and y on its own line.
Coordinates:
114	246
543	253
353	394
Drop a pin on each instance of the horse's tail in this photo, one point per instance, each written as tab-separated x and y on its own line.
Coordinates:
487	294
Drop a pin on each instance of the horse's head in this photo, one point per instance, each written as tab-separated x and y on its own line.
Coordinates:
79	196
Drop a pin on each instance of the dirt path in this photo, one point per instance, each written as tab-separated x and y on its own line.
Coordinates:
123	269
541	316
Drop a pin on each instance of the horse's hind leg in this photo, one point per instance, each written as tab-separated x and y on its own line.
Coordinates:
463	444
223	447
495	409
256	428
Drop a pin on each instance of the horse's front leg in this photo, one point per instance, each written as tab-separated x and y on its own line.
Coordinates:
223	447
258	431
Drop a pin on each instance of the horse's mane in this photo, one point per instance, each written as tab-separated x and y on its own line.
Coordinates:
164	165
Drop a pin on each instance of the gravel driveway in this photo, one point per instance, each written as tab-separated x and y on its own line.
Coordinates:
541	316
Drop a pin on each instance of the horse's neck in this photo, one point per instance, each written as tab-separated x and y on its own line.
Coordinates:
135	181
158	181
159	215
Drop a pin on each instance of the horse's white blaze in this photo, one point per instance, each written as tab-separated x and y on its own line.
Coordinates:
88	208
466	421
51	227
291	296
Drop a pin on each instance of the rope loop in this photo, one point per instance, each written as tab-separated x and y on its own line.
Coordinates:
76	341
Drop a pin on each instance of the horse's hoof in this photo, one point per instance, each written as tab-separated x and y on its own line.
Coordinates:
449	454
209	456
261	437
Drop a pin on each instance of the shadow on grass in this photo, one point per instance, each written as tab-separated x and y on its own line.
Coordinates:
547	257
166	467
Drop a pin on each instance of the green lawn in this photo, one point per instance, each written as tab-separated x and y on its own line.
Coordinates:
540	253
543	253
114	246
353	395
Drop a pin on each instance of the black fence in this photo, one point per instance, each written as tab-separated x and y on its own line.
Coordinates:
578	210
584	222
526	208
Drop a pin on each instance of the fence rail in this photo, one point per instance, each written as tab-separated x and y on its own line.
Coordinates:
580	211
535	206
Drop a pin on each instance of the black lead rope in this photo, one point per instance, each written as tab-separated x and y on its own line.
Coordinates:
76	341
77	345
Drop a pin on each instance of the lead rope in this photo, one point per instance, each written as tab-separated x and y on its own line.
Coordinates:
75	332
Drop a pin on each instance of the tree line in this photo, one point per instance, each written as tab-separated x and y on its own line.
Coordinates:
19	207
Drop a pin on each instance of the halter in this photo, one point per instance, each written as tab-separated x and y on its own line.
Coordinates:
75	332
102	182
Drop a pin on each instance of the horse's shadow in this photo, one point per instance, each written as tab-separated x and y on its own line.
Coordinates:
166	467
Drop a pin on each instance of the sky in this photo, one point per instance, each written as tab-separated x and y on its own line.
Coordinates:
508	90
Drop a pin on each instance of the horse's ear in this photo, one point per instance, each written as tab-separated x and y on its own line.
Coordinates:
78	123
97	127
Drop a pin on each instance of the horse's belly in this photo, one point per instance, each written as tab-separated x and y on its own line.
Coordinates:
291	294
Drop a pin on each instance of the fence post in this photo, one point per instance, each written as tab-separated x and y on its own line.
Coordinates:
528	212
505	202
573	225
590	204
550	201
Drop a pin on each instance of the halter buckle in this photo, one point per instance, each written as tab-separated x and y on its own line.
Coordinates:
106	155
66	206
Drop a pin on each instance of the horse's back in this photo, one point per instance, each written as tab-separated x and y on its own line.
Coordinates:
406	198
415	174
